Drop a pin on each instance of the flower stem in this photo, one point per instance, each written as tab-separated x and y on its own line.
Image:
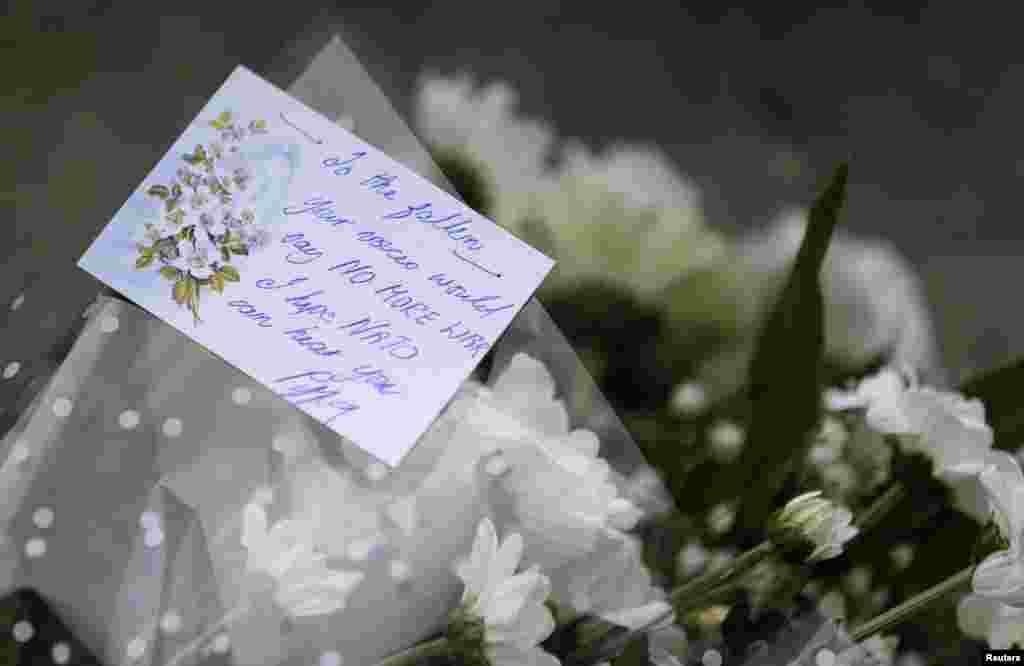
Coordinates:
707	581
434	648
885	503
912	605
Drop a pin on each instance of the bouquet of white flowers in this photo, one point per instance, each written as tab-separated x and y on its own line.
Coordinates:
159	507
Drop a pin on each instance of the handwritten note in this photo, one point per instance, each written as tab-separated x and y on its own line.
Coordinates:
345	283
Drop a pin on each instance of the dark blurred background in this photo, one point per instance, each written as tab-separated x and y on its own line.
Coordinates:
754	104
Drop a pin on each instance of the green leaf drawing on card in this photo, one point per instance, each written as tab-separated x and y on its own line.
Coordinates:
170	272
225	254
198	156
230	273
161	191
176	217
239	248
144	261
217	283
223	121
179	293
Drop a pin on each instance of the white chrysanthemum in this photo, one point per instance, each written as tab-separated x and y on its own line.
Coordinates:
1000	577
613	583
304	585
874	300
480	125
989	620
626	217
947	427
346	513
510	605
562	493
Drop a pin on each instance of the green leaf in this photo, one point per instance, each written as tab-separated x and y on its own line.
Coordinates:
176	217
159	191
197	157
217	283
180	292
225	254
144	261
170	272
230	273
238	248
223	121
785	378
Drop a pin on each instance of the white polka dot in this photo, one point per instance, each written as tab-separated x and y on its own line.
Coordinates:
43	517
825	657
241	396
172	427
20	452
17	302
711	658
496	466
221	644
359	550
35	547
375	471
128	419
62	407
135	648
331	658
109	324
23	631
150	520
170	623
61	653
11	369
400	571
153	538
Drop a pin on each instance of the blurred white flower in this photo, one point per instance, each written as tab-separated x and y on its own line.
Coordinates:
481	126
689	399
562	494
691	559
626	217
1000	577
902	555
510	605
726	439
811	523
721	517
985	619
874	300
304	586
613	583
947	427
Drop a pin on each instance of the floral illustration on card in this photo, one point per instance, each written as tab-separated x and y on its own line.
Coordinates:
206	216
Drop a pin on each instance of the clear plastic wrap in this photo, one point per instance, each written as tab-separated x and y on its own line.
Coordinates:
174	511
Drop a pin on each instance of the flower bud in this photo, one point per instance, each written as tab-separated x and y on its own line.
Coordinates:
812	527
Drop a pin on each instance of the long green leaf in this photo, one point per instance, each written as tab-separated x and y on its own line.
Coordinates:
786	372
